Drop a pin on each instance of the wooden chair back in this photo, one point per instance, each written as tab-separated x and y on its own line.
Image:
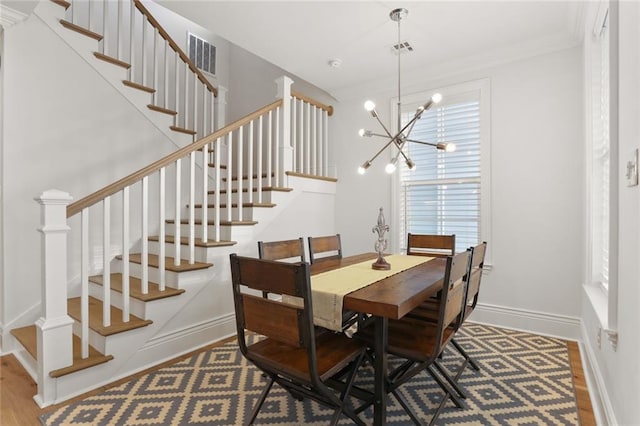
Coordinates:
453	299
329	247
431	245
280	321
474	276
292	250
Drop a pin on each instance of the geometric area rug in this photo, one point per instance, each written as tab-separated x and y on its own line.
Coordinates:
524	379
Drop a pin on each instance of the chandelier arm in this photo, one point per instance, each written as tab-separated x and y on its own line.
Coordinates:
381	150
423	142
399	145
385	128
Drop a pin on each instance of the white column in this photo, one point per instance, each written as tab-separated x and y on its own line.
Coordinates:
284	128
54	328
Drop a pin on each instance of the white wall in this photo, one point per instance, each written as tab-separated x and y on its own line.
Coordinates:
537	187
616	371
64	127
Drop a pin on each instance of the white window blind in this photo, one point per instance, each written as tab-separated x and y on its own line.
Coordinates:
600	156
443	194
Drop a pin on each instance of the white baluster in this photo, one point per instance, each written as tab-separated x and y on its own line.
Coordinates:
155	64
143	51
250	162
125	255
118	22
229	174
162	235
269	148
325	143
186	94
192	200
259	159
103	48
307	161
277	147
301	136
314	140
294	135
217	184
106	262
240	179
145	236
84	283
165	104
176	232
205	190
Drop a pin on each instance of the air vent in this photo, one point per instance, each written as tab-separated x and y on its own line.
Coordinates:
202	54
402	47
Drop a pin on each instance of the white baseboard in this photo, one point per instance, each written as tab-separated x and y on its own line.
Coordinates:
600	400
544	323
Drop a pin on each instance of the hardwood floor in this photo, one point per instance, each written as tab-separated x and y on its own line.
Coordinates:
17	407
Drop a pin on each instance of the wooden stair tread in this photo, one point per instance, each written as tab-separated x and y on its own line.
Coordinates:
80	30
222	166
264	188
168	263
198	243
138	86
27	336
308	176
161	109
135	288
95	317
183	130
62	3
235	205
222	222
111	60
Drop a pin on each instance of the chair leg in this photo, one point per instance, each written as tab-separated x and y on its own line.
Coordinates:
449	393
260	401
452	382
406	407
462	352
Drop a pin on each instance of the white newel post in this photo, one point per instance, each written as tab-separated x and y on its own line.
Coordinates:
54	328
284	137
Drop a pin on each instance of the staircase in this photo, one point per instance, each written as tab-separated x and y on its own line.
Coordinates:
125	268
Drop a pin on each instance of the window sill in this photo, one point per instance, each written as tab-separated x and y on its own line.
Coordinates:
600	302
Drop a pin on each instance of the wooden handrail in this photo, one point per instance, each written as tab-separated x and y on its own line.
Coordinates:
320	105
175	47
134	177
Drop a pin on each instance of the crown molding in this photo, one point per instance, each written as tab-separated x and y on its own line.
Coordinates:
10	17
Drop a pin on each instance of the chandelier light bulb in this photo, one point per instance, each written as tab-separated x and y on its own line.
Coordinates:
451	147
369	106
362	169
361	132
390	168
436	98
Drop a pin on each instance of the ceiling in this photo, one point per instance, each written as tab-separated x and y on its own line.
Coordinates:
302	37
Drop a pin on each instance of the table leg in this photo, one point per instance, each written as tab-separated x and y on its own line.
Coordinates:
380	390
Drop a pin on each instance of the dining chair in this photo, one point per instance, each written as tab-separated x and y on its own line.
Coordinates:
474	277
431	245
283	250
291	250
325	248
420	343
289	350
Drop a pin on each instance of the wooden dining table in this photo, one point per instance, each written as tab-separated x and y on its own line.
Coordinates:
390	298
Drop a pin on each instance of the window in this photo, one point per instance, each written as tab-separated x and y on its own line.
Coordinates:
448	192
202	54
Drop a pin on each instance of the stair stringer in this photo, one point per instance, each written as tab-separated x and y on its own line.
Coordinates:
50	14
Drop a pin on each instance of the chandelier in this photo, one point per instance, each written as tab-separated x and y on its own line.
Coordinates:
404	132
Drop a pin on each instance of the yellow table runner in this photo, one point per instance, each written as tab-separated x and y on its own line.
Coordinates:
329	288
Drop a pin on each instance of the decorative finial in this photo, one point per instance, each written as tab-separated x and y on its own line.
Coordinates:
381	243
